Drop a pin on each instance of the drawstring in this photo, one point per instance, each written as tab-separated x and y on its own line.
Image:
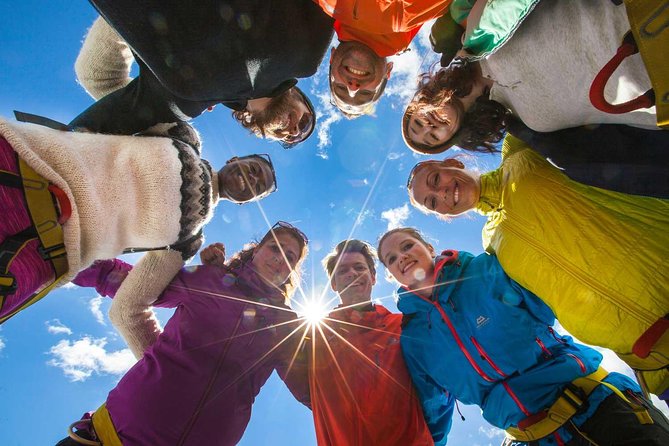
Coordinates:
457	407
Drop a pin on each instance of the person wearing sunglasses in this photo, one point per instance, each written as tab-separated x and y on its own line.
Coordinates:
368	33
69	198
244	55
197	379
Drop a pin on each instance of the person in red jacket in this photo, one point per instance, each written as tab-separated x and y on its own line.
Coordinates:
369	31
361	392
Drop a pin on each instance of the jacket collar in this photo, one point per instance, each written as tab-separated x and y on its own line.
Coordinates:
254	288
366	313
491	192
447	269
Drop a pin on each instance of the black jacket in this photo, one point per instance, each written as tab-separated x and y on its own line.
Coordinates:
194	54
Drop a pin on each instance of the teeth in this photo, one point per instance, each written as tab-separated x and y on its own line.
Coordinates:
242	183
357	72
456	195
407	266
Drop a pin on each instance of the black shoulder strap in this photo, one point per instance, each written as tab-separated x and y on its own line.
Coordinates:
40	120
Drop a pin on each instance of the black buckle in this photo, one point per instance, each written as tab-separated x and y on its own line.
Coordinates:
580	393
6	290
45	253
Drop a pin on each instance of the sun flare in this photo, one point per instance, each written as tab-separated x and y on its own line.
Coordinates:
314	311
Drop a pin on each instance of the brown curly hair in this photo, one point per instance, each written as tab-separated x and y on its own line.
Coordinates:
483	125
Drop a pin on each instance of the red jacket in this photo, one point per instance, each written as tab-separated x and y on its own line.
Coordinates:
386	26
361	394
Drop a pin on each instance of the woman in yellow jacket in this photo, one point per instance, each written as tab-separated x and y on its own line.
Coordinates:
599	259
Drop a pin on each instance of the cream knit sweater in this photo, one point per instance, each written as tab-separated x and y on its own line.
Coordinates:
126	191
104	61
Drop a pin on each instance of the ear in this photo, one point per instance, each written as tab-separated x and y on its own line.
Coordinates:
452	162
431	249
232	160
373	279
332	52
389	68
332	285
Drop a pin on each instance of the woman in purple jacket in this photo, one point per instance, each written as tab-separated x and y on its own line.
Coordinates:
196	383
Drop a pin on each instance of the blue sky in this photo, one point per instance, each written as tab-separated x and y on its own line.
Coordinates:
61	357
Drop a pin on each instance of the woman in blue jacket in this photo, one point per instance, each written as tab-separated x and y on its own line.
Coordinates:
472	332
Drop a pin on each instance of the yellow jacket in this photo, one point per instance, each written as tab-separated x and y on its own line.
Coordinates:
599	259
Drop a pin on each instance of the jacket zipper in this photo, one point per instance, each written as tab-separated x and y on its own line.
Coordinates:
210	384
603	292
457	339
547	353
578	361
557	338
485	357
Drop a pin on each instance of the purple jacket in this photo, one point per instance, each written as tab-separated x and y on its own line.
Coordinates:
197	383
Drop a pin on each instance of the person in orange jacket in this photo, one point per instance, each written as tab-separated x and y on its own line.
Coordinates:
361	391
369	31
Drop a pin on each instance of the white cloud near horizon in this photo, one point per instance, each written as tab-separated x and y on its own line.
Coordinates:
80	359
55	327
396	216
94	306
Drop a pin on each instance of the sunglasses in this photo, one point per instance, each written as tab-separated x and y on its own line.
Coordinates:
306	125
285	225
268	160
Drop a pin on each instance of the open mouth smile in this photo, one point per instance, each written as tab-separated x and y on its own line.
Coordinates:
356	72
408	266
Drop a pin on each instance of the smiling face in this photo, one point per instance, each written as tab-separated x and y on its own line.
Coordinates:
434	126
269	258
291	120
408	260
445	187
245	179
356	74
352	279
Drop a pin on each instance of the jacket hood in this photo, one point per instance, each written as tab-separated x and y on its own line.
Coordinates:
447	271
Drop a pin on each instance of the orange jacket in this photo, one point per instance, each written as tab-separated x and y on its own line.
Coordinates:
386	26
361	393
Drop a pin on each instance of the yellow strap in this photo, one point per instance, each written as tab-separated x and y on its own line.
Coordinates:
6	281
42	210
104	427
648	22
562	410
50	232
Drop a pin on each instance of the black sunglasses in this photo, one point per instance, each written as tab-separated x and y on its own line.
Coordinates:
285	225
306	125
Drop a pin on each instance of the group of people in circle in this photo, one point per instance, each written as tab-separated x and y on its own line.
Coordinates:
577	222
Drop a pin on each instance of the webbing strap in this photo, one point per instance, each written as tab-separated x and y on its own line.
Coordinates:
10	179
567	405
104	427
45	223
9	248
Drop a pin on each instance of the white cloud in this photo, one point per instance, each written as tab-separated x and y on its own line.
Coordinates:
407	66
491	431
2	344
56	327
396	216
68	285
80	359
94	306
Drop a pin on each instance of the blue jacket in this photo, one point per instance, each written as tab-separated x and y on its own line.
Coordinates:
487	341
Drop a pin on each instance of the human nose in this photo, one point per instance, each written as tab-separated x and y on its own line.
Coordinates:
352	85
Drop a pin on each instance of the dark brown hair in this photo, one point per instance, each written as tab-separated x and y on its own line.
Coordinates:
482	126
350	246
